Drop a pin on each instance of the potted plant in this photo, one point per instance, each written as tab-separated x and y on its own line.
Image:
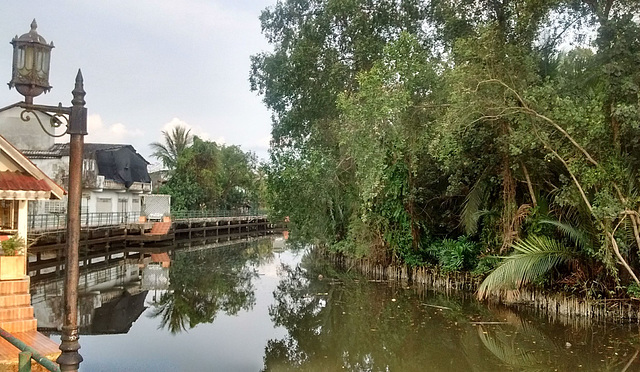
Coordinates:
12	264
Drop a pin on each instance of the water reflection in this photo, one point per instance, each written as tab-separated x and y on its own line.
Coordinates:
110	300
261	304
206	282
190	284
337	321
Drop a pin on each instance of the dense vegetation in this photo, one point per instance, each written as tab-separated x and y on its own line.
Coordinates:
203	175
451	132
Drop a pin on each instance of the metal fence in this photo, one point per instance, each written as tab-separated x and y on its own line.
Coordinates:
184	215
54	221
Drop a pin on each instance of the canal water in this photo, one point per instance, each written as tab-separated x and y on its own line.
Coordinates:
261	305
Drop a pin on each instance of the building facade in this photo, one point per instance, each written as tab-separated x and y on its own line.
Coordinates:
114	176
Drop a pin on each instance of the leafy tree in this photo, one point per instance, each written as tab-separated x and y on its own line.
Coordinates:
385	131
319	47
401	124
237	177
211	176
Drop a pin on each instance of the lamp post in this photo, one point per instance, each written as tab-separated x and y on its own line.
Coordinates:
30	77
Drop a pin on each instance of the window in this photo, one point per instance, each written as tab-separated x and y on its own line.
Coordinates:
123	205
135	205
55	206
84	205
103	205
9	214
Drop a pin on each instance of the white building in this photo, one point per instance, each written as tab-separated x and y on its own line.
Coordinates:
114	175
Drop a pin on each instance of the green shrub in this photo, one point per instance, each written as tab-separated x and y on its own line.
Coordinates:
13	246
455	255
486	265
633	290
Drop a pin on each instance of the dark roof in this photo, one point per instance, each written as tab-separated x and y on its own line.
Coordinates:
117	162
90	148
41	154
17	181
122	165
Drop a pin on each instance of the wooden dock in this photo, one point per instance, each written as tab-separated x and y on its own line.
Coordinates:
41	343
160	232
99	245
16	317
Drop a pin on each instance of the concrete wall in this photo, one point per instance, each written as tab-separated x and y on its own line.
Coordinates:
56	169
25	135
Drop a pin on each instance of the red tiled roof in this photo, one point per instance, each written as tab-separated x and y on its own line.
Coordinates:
17	181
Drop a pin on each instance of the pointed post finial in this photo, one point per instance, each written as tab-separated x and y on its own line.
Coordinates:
34	25
78	92
78	117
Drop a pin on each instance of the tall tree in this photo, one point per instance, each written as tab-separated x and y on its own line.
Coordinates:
399	123
319	47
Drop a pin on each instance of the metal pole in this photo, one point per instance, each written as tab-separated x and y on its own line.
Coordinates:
69	359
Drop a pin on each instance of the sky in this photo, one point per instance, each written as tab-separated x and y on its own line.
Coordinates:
150	65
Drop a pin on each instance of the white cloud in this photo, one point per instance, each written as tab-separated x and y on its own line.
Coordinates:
99	132
195	130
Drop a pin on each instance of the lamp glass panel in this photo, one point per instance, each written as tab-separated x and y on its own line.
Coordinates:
29	58
39	59
19	58
45	67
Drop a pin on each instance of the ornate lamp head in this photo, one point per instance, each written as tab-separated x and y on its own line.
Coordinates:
31	59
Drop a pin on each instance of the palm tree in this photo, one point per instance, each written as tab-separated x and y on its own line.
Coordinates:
175	142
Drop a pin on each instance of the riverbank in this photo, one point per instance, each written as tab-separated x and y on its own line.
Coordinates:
543	303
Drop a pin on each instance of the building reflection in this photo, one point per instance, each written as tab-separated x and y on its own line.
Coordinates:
110	299
115	290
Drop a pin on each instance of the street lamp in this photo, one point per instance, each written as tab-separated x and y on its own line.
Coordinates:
31	58
30	77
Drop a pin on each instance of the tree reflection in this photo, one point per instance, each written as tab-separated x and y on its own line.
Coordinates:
525	343
205	282
346	323
350	324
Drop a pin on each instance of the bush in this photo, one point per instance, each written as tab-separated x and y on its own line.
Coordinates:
486	265
633	290
455	255
13	246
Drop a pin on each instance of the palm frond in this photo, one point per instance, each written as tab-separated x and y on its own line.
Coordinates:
175	142
575	235
534	257
504	349
471	210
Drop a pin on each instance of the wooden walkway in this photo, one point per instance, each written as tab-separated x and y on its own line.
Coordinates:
41	343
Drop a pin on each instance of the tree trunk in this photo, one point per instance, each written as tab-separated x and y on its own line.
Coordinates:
509	205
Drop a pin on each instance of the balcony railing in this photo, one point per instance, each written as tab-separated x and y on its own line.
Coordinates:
184	215
113	185
54	221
